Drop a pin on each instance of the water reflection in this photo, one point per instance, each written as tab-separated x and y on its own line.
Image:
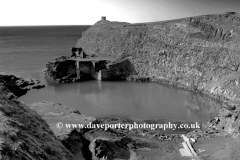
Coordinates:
129	99
202	106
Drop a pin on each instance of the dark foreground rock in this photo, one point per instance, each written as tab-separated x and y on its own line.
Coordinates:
24	134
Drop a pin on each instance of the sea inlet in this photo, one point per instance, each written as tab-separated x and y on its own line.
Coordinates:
102	99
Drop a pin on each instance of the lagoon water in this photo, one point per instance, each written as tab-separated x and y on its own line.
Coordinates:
24	51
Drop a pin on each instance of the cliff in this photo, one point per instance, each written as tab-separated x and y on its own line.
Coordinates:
198	53
23	133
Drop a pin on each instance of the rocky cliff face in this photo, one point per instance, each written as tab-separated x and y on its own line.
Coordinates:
23	133
61	70
198	53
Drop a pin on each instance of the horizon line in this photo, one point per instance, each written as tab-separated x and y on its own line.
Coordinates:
47	25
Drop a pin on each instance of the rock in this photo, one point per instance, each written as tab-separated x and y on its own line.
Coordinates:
11	96
24	134
61	70
15	85
120	70
110	149
38	86
76	112
19	86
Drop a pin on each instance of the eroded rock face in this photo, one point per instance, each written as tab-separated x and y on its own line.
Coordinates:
63	70
120	70
25	135
198	53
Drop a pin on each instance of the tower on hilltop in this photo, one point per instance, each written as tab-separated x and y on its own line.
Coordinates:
103	18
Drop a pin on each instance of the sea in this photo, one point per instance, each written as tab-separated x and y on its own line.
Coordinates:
25	51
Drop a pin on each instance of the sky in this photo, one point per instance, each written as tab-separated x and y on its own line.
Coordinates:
87	12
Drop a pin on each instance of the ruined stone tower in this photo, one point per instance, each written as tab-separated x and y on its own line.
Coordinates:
103	18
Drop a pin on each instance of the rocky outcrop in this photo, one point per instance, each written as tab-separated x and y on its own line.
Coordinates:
64	70
61	70
120	70
24	134
197	53
18	86
38	86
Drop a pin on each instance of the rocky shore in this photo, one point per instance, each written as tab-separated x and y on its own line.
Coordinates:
61	70
19	86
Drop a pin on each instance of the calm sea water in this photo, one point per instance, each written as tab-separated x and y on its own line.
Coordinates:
24	51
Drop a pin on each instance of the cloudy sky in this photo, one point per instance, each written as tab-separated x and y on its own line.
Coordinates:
85	12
